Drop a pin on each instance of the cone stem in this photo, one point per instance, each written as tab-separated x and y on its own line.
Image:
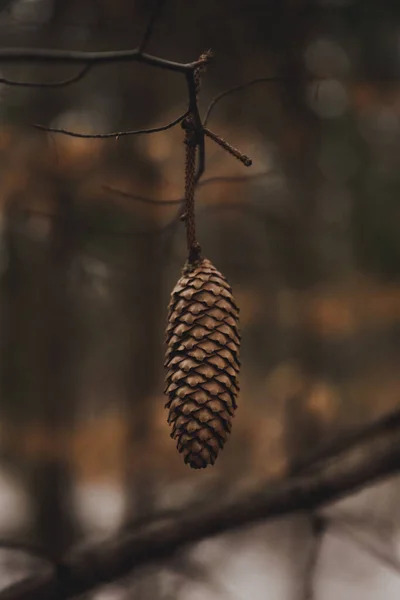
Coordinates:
190	183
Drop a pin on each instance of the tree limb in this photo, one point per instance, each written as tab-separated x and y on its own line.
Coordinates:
51	84
355	436
114	134
203	183
237	88
359	464
150	26
70	57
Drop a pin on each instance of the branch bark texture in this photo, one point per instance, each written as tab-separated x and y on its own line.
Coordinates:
363	461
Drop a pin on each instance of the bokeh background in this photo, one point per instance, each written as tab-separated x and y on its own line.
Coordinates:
309	241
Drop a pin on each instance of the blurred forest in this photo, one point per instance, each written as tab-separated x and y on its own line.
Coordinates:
308	237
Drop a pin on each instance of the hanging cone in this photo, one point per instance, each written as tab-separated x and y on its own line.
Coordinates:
203	362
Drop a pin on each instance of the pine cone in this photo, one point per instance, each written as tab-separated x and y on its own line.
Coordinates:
203	362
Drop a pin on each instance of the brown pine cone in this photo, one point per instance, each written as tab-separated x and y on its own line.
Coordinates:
203	362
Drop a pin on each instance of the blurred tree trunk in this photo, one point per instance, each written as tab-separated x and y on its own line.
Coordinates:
54	331
144	294
36	384
301	263
143	299
52	479
12	406
302	266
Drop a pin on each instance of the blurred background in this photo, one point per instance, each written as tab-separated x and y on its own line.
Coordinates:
309	242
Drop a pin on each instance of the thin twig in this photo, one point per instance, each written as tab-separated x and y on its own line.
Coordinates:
200	184
228	147
144	199
150	26
238	88
235	178
115	134
192	71
53	84
340	527
383	423
194	140
83	228
193	85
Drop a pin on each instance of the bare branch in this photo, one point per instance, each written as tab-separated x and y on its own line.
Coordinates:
188	216
192	71
41	55
245	85
115	134
83	228
193	84
144	199
229	148
237	88
235	178
357	435
54	84
353	467
203	183
150	26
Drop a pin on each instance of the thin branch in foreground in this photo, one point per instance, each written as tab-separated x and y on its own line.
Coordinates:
52	84
193	246
355	435
115	134
200	184
150	26
229	148
83	228
237	88
235	178
193	121
69	57
138	198
192	71
91	565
